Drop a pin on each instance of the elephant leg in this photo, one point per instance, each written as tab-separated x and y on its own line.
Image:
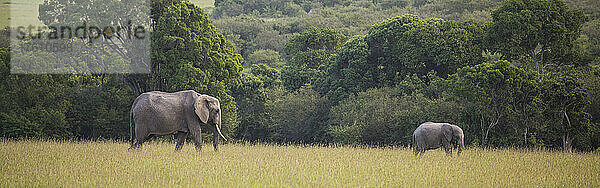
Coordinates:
448	150
138	143
134	145
147	138
139	140
417	151
215	138
180	140
196	135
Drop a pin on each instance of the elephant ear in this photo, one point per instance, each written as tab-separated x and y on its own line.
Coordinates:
201	109
447	132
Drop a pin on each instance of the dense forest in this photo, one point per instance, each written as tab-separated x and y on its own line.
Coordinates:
513	73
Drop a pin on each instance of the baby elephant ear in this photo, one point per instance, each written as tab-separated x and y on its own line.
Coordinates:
201	109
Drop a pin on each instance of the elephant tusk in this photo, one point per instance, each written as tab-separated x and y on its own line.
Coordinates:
219	130
223	136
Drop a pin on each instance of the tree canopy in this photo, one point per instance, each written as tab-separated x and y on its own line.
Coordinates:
538	31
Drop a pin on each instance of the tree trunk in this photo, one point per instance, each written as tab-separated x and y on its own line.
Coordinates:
525	137
535	53
482	144
567	141
489	127
133	84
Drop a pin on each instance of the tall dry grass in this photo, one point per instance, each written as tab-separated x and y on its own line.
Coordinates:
110	164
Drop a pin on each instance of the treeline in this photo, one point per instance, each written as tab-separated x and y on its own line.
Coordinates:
519	73
514	73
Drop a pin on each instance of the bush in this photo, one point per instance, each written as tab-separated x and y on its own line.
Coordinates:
299	117
269	57
384	117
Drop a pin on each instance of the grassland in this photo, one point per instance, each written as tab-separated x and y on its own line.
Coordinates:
93	164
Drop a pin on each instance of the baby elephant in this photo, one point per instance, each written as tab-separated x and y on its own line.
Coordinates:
431	135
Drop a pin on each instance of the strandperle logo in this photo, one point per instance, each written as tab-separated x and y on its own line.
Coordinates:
93	39
83	32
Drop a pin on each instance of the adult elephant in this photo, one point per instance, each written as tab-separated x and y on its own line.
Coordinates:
180	113
431	135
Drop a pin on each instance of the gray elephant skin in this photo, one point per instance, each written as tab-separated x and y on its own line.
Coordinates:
431	135
160	113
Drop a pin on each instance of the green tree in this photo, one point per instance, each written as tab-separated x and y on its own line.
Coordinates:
100	111
271	77
499	91
566	99
266	8
589	41
134	54
269	57
400	47
251	96
255	122
299	117
540	32
385	116
349	72
32	105
408	45
189	53
307	55
590	79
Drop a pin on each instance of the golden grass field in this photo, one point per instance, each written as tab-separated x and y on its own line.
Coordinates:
110	164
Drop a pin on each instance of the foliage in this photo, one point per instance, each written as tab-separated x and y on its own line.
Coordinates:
590	78
251	34
32	105
540	32
349	72
271	77
299	117
250	97
307	55
189	53
400	47
566	99
100	111
460	9
227	8
304	81
411	45
384	117
503	95
589	41
268	57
